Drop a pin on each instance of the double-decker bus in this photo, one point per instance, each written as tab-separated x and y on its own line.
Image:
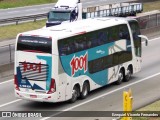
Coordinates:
67	61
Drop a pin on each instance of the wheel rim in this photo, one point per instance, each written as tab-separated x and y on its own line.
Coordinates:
120	76
74	94
85	90
128	74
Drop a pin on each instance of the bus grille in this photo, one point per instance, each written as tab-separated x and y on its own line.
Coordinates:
34	71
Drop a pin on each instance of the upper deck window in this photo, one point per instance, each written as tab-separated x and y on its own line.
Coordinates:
93	39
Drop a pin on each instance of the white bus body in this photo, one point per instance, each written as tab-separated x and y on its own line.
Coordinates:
64	62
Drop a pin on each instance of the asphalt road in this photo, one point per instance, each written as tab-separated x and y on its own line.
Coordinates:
39	9
145	86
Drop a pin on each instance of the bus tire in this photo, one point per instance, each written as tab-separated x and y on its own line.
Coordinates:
120	77
85	90
128	74
75	94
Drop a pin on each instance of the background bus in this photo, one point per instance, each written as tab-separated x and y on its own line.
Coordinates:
67	61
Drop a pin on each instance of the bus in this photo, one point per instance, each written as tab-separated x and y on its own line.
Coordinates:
67	61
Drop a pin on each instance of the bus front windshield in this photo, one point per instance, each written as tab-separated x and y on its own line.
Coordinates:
34	44
59	15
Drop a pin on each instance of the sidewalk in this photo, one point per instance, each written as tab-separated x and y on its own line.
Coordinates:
6	72
7	42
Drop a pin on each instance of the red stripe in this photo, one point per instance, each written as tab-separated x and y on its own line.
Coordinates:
50	38
81	33
33	51
35	35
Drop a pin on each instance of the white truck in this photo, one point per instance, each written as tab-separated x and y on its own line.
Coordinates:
72	10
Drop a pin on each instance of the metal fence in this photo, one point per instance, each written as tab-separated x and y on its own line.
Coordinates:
7	54
149	21
146	24
23	18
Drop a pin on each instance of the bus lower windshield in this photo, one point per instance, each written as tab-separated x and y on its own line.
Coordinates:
34	44
59	15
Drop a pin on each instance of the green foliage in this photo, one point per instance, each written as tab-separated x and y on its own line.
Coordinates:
11	31
19	3
153	5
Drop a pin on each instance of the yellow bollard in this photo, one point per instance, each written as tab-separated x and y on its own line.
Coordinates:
127	103
130	100
125	99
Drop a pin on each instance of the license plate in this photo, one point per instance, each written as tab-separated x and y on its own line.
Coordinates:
33	96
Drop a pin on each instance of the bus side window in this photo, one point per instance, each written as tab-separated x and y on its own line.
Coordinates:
80	44
97	65
71	47
88	41
94	41
88	44
106	35
63	49
123	32
76	46
115	59
66	47
112	34
102	38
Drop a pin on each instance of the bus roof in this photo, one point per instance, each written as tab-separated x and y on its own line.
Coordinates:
78	27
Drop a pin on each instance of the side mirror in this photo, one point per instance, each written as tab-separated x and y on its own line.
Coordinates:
73	15
144	37
47	15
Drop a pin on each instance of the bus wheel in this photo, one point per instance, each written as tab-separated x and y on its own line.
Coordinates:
75	94
85	90
128	75
120	77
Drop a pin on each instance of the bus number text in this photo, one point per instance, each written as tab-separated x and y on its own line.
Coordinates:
78	63
31	66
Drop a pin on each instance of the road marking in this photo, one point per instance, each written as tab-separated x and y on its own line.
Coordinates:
6	81
13	12
100	96
154	39
151	40
9	103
